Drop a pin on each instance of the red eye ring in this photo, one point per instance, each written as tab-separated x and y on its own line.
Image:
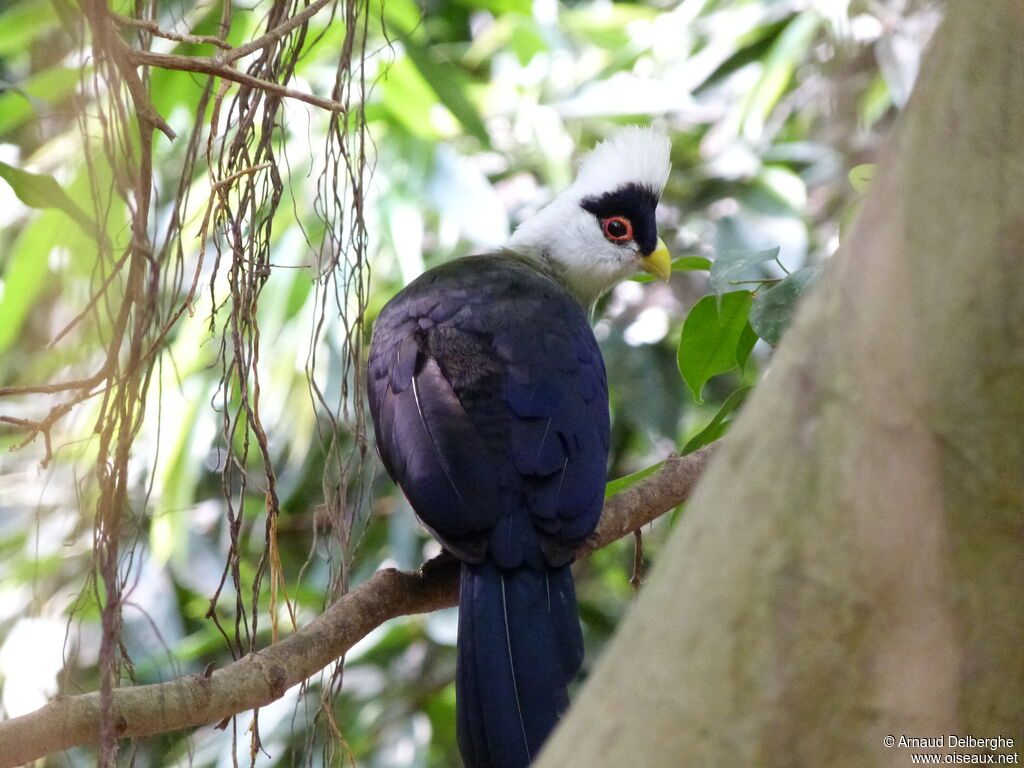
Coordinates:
617	229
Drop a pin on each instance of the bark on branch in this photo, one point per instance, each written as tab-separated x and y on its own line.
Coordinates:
213	65
260	678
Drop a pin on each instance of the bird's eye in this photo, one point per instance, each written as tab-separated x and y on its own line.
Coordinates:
617	229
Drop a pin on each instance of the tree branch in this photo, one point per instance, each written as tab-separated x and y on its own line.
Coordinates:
154	29
262	677
278	32
207	65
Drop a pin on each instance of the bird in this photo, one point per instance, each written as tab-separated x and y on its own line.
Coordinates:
489	401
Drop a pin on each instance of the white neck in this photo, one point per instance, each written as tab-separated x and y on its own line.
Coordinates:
553	241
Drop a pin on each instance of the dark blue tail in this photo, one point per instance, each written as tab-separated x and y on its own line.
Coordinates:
519	648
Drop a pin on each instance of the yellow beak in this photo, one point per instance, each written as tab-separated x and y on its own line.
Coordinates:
659	263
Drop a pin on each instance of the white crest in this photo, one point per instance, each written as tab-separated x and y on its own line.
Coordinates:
632	155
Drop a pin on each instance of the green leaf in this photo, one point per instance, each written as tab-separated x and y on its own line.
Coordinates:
450	84
167	537
526	42
691	264
790	48
875	102
38	94
748	338
622	483
731	265
862	175
23	24
408	99
682	264
37	190
710	338
499	7
773	309
26	274
721	422
400	16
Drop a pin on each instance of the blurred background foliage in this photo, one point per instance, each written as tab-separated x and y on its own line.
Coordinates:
477	110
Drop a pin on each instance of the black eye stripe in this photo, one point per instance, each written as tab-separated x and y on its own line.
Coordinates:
633	202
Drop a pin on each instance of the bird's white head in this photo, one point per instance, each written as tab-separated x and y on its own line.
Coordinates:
602	229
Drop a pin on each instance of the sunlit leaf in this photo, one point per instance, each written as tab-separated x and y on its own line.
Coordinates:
749	46
497	7
19	105
451	87
167	537
37	190
25	275
711	333
605	26
518	34
526	43
789	49
875	102
24	22
408	99
400	16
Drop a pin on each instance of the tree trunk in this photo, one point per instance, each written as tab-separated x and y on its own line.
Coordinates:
850	566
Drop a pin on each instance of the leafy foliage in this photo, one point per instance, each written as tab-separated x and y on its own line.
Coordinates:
710	341
772	309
